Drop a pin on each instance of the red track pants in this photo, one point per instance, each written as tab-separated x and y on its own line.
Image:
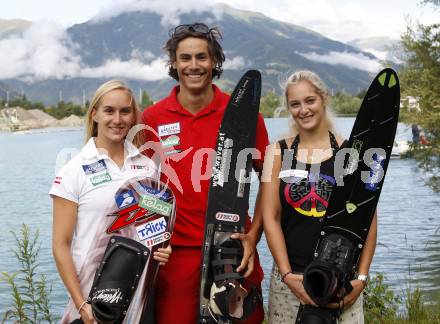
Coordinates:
178	284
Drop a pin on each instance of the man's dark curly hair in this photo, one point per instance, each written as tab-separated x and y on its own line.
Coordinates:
213	36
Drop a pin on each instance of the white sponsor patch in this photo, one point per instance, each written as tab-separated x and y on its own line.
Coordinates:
168	129
158	239
151	229
170	141
293	173
227	217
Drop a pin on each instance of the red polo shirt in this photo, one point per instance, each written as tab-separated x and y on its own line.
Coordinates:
185	141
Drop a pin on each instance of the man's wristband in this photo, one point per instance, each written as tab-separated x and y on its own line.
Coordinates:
285	275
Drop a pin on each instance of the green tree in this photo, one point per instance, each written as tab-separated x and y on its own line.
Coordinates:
23	102
146	100
420	78
362	94
345	104
268	103
63	109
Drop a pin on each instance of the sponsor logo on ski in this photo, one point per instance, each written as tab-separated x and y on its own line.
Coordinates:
256	91
100	178
125	198
95	167
159	194
221	160
240	93
303	174
125	217
155	205
353	159
170	141
158	239
109	295
150	229
227	217
168	129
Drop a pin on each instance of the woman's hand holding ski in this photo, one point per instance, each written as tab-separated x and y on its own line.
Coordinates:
350	298
295	284
162	255
87	315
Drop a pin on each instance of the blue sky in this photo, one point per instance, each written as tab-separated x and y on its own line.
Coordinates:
338	19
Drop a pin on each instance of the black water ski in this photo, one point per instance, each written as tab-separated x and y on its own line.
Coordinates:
351	207
228	198
120	269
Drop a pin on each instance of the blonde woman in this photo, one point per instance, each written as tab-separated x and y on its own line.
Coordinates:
295	195
86	186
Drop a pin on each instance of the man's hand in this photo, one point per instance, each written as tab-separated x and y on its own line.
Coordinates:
249	244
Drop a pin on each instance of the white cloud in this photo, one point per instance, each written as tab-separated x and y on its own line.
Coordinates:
132	69
236	63
170	10
141	55
352	60
382	55
45	51
343	20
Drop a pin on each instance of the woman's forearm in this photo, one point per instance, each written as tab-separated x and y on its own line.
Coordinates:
66	269
277	245
369	248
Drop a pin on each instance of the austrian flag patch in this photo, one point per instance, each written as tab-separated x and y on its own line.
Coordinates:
138	167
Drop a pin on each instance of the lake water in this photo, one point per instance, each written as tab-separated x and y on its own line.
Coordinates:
409	222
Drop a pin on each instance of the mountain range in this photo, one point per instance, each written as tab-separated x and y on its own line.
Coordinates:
250	40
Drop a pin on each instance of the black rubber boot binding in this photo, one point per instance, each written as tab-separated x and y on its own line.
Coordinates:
117	278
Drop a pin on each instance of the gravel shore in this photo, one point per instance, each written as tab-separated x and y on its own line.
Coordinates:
19	119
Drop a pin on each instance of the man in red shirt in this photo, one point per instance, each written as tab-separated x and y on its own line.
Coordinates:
184	127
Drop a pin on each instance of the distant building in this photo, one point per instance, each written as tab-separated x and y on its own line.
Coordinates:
410	103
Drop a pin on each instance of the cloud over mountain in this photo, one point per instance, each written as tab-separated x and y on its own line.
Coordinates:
46	51
351	60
